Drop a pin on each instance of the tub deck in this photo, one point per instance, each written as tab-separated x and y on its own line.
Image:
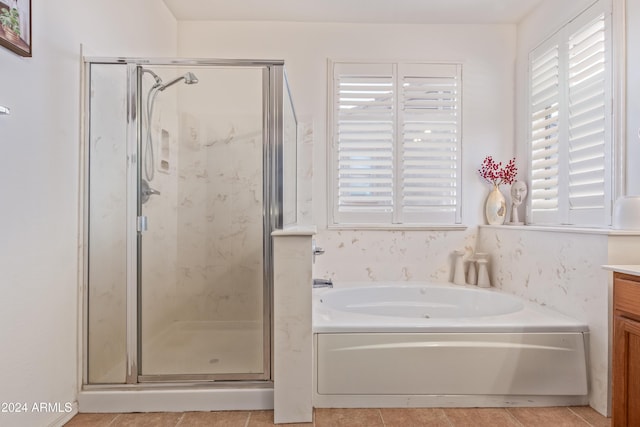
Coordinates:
528	317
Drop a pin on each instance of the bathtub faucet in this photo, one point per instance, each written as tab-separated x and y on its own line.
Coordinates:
322	283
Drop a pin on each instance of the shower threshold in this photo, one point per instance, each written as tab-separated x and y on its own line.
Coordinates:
221	396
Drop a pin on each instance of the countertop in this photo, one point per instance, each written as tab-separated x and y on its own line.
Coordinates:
627	269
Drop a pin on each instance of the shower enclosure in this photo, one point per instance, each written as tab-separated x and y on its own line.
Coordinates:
189	165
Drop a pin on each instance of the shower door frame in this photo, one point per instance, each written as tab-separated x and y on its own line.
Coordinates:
273	91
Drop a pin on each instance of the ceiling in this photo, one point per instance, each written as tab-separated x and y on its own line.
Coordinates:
356	11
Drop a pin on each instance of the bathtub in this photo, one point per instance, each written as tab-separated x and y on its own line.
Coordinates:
428	344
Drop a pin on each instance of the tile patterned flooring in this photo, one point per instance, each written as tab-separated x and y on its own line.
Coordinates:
581	416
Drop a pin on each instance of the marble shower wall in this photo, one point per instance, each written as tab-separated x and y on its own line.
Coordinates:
219	220
220	262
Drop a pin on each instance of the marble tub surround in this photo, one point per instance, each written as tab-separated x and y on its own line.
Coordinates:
292	328
381	255
563	270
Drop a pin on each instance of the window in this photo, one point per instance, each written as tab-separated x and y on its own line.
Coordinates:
570	135
395	148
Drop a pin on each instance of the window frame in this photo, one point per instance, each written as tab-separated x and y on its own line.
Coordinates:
391	220
564	215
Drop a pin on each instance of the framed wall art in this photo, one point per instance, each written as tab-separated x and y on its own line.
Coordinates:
15	26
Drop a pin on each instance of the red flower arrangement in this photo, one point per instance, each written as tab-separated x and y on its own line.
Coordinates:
497	174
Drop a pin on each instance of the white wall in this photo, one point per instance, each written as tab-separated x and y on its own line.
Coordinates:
487	53
39	184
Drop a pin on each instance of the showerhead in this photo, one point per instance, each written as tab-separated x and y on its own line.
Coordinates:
189	78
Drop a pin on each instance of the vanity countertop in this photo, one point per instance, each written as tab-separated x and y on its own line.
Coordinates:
633	269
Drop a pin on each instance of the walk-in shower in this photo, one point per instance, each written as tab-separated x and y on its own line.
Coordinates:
183	189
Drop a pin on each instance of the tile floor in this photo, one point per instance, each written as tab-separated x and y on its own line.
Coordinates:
387	417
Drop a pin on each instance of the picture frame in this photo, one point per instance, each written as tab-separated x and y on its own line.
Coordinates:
15	26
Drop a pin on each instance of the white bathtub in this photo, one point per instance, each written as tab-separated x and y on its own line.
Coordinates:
426	344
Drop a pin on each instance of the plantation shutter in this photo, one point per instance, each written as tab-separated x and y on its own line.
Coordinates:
589	104
570	106
430	107
395	152
545	142
364	114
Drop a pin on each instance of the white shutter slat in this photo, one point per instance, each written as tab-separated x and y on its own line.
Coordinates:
549	111
550	144
542	154
542	174
546	197
542	184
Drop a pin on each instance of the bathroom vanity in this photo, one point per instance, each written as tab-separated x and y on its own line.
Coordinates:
626	346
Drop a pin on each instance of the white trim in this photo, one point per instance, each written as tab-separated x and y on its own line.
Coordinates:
619	94
566	229
65	417
398	227
443	401
175	400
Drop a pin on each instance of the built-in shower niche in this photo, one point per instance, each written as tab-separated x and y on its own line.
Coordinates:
187	292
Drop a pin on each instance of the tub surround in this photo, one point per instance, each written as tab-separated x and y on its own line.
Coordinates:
562	269
379	255
292	333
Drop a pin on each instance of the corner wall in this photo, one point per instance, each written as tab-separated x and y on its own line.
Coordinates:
39	184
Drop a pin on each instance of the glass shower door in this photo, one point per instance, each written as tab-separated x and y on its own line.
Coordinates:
202	293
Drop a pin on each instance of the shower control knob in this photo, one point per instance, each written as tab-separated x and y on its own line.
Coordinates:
146	191
315	250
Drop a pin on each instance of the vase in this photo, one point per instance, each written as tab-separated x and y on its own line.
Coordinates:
458	271
495	208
